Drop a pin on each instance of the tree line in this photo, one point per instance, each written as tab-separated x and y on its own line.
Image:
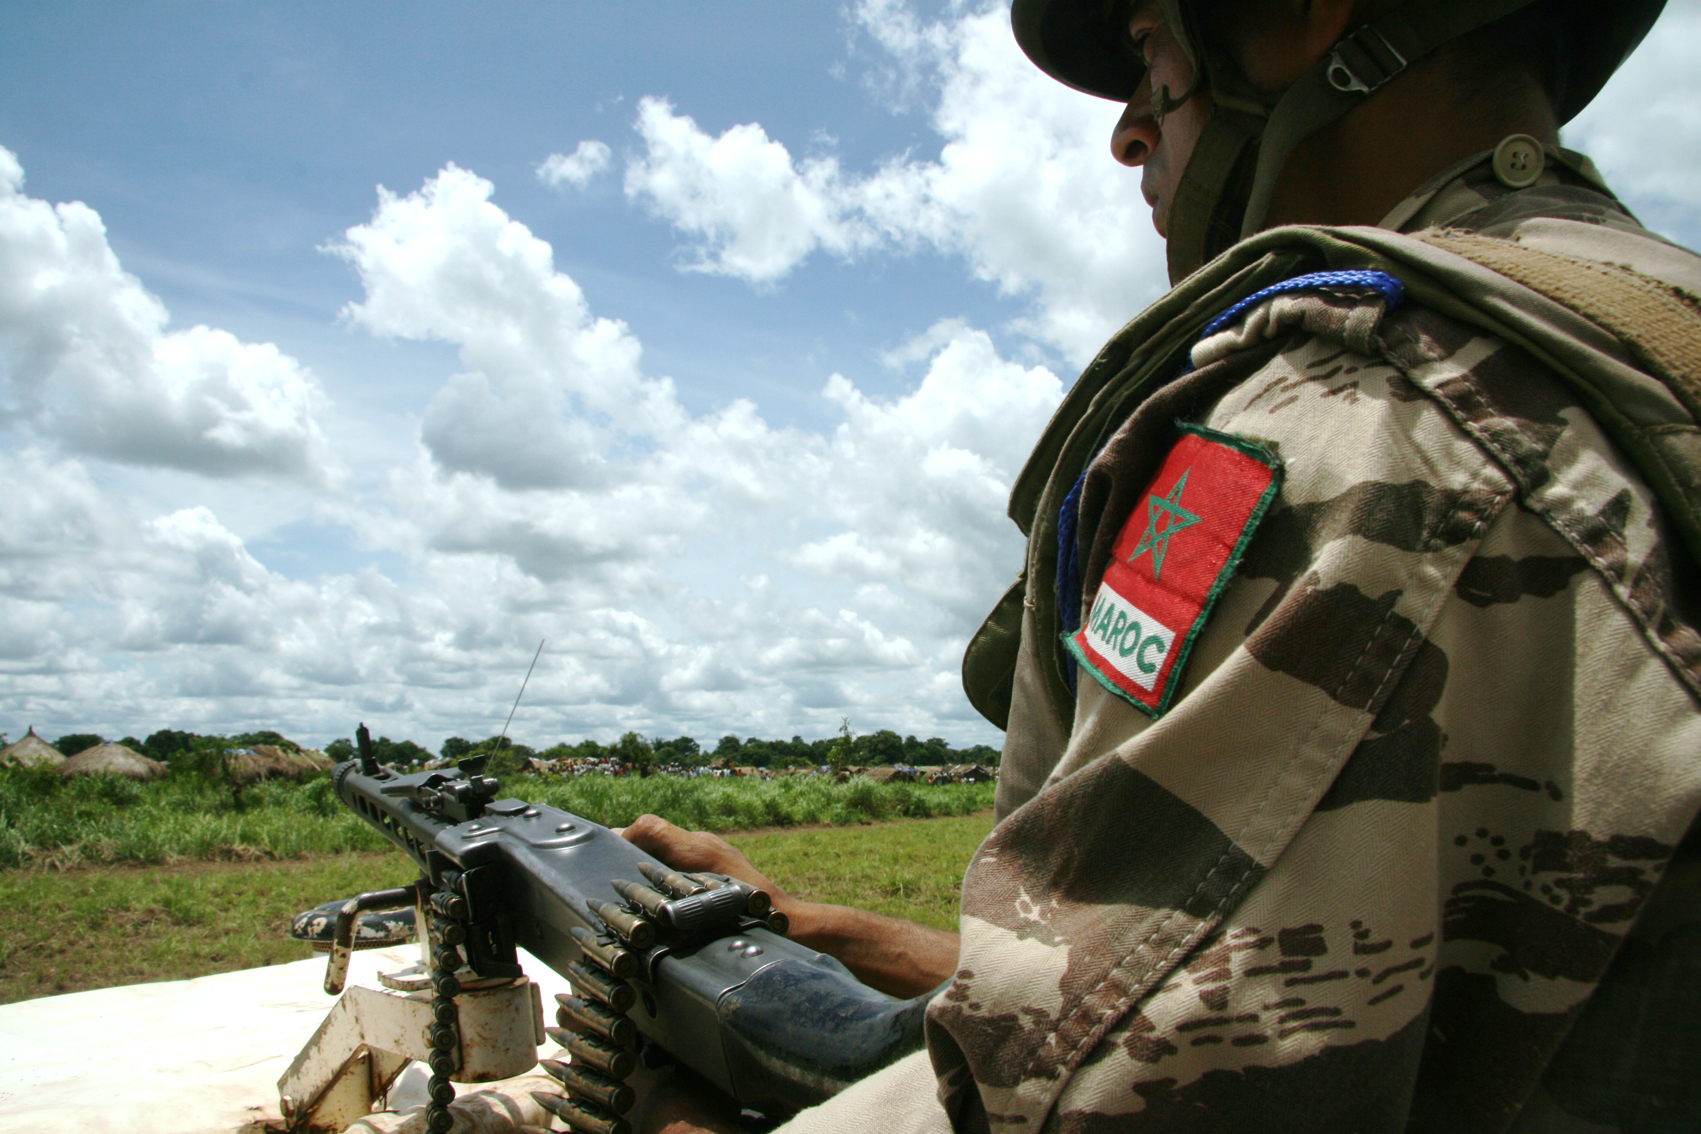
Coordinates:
643	754
632	750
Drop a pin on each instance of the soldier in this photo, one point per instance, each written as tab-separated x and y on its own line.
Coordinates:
1351	680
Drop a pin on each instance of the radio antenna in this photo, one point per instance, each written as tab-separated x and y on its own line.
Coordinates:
504	733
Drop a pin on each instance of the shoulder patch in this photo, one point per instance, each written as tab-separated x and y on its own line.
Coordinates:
1171	561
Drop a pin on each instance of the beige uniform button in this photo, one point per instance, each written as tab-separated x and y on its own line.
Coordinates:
1519	161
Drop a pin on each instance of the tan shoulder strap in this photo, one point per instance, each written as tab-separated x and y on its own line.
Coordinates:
1657	323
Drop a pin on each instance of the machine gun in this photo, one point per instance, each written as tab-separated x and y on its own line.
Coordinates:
695	964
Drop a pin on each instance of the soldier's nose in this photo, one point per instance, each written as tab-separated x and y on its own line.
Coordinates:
1136	133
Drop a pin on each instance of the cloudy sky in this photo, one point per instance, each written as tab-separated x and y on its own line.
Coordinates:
349	350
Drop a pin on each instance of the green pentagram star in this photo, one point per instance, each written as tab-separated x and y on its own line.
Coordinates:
1164	517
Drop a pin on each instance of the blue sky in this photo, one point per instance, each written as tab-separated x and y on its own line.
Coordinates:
701	340
224	142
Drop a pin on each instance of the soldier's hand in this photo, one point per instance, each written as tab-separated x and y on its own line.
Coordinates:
698	851
899	957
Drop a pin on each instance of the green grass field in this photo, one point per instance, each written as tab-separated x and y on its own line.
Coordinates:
47	821
99	925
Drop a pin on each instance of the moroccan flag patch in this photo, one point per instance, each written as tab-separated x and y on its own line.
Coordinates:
1172	559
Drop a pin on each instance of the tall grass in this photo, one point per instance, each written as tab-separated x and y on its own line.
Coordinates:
49	820
46	820
742	804
106	925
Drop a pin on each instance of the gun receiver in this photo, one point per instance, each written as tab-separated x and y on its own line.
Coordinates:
688	961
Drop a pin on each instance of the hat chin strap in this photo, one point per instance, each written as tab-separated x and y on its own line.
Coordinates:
1358	66
1197	230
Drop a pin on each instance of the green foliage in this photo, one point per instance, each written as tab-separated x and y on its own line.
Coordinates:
794	753
505	756
883	747
635	752
48	819
95	927
22	784
744	803
319	797
680	750
843	751
200	811
100	926
166	743
265	736
103	789
400	753
202	761
77	742
912	871
585	750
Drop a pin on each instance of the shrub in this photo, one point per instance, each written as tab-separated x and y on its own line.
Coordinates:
77	742
45	818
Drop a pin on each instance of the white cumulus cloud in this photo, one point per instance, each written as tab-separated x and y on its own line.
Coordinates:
577	168
86	360
1644	131
1022	188
692	571
755	212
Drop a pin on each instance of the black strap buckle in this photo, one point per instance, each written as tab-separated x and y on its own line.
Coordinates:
1363	61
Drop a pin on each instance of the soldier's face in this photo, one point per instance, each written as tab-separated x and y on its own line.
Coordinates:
1273	42
1159	145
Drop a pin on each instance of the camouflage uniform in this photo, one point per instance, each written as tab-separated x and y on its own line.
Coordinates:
1400	854
1431	756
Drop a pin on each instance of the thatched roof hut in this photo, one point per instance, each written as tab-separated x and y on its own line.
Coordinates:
114	759
971	774
32	749
271	762
886	774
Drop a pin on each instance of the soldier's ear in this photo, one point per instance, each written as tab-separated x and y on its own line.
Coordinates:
1277	41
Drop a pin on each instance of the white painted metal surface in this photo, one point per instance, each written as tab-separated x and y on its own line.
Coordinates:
198	1056
370	1034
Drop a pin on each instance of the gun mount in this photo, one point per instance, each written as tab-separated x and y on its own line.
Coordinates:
695	964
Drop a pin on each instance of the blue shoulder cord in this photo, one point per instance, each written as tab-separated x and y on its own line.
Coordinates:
1069	581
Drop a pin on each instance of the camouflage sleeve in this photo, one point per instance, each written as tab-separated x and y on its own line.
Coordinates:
1430	757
